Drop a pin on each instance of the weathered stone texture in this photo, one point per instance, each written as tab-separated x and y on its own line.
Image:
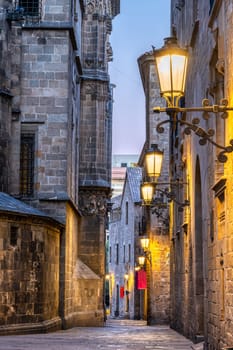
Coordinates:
57	11
96	101
29	287
5	103
41	65
83	305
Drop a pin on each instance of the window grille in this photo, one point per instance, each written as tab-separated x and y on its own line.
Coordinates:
27	164
30	10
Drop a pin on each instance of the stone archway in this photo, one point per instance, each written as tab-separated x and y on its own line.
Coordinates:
198	264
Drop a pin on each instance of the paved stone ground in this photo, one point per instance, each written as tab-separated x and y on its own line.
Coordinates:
116	335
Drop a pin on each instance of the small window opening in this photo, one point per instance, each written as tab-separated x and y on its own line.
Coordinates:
13	236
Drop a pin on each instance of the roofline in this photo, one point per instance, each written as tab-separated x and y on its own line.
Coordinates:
41	217
142	154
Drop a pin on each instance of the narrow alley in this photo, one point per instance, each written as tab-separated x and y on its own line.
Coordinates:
116	335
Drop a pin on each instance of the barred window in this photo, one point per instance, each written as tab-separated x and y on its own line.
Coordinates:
30	7
27	158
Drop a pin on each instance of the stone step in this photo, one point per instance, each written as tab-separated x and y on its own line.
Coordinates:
199	346
125	322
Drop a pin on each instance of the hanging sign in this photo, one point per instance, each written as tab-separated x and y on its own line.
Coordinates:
122	292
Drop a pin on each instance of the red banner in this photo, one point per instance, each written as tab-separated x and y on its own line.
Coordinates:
141	279
122	292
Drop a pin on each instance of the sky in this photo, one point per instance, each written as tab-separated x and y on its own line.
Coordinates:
140	24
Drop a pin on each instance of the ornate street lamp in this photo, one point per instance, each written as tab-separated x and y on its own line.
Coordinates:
141	260
171	64
153	165
145	243
147	192
153	162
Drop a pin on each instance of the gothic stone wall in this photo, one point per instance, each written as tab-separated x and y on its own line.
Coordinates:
159	287
157	229
91	249
209	33
44	84
189	246
29	275
96	99
5	102
81	269
44	109
224	277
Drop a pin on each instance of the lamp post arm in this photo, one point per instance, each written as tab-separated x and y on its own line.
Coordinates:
194	125
171	196
210	109
206	107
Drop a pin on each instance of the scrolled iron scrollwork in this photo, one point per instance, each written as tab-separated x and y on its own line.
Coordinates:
204	135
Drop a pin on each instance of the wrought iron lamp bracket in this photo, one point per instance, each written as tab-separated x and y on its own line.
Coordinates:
172	197
204	135
147	254
158	211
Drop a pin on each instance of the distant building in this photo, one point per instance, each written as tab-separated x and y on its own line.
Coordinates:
119	164
124	229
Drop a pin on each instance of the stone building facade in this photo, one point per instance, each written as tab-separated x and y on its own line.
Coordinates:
124	231
201	248
55	144
157	228
119	164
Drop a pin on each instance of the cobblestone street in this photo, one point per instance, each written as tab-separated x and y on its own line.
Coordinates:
116	335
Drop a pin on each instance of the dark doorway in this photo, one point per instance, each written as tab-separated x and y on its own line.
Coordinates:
117	300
